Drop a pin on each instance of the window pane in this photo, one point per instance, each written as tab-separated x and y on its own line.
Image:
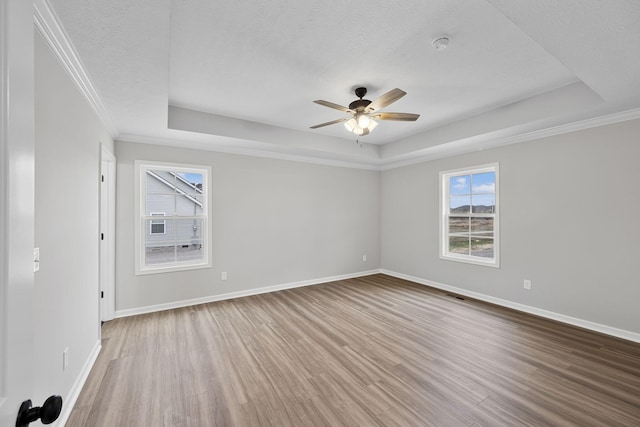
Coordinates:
187	205
165	225
189	240
160	203
458	224
469	219
173	220
481	224
459	184
189	232
160	248
484	203
182	241
484	182
193	181
459	204
159	255
159	182
459	245
482	247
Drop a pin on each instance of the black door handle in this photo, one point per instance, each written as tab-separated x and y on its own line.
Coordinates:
48	413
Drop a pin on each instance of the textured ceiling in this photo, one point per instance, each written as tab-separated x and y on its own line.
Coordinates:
245	73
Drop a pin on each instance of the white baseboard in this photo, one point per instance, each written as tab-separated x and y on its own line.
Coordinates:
70	400
231	295
586	324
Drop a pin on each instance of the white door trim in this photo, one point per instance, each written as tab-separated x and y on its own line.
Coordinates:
107	230
17	190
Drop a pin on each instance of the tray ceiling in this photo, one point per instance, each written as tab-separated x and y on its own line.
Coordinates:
243	75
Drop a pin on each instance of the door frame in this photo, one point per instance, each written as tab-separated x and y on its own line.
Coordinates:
17	189
107	234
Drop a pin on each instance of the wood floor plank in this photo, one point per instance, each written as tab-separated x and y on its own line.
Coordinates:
370	351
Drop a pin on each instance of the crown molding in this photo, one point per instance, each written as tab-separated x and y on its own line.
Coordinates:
472	144
454	148
49	26
208	146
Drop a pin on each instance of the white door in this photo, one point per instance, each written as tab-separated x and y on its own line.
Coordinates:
17	208
107	235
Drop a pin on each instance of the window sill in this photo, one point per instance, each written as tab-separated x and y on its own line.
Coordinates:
172	268
471	260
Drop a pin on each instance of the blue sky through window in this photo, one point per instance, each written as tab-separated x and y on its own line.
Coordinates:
194	178
480	187
484	182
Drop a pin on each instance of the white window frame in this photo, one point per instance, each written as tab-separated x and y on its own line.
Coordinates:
445	179
157	222
141	168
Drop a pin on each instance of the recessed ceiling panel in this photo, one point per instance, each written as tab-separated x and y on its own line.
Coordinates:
266	61
263	62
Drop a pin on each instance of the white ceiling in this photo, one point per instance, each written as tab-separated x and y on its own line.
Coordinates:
243	74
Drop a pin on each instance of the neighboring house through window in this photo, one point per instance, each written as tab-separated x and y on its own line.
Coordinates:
180	195
469	226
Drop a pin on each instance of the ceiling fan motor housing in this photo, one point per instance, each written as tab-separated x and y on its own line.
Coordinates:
360	104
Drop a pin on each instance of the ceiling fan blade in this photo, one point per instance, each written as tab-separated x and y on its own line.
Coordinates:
403	117
386	99
330	123
334	106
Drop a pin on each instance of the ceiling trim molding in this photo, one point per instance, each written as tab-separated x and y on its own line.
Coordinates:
469	145
49	26
207	146
453	148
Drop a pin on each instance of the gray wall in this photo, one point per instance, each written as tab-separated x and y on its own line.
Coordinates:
274	222
570	209
67	165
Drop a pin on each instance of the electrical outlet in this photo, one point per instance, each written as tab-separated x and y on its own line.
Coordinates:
527	284
364	258
65	359
223	275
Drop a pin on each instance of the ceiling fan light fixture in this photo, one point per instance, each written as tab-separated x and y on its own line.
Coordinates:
363	120
359	131
351	125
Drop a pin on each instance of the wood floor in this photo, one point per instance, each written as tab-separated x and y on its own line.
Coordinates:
361	352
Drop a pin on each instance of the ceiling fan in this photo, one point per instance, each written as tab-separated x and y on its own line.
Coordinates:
363	112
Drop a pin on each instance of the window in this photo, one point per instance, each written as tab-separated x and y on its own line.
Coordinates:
181	239
469	226
157	225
